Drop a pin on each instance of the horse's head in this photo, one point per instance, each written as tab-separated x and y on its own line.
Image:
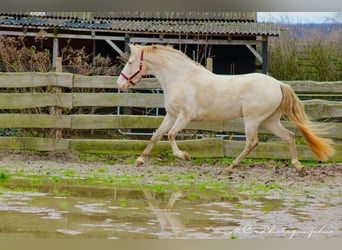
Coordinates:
133	71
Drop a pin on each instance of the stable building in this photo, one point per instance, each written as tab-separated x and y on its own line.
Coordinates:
225	42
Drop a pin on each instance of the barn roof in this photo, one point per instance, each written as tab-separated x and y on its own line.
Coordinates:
211	23
169	15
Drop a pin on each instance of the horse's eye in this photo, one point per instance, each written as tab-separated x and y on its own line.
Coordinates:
129	63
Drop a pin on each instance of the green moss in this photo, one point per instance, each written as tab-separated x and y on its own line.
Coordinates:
69	173
102	170
256	188
4	176
162	178
233	237
36	182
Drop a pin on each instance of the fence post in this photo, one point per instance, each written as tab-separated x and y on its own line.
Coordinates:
57	111
209	64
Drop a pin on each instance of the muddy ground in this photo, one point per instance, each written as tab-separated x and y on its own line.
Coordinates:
263	172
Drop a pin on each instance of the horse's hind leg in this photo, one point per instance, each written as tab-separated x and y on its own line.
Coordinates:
273	124
251	130
163	128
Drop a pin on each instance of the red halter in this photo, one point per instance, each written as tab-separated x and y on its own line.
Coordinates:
130	79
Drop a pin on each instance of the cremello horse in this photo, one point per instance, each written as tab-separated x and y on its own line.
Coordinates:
192	93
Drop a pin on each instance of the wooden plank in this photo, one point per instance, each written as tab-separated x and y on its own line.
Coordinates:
196	148
137	122
153	122
114	122
34	121
148	83
35	79
81	81
109	82
34	100
316	87
275	151
327	109
115	99
321	109
152	83
31	143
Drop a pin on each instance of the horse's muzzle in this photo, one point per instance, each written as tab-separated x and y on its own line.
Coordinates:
122	84
124	87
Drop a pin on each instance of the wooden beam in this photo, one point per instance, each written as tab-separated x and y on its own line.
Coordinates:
127	42
144	40
210	147
35	100
147	40
61	35
265	56
255	53
55	52
113	45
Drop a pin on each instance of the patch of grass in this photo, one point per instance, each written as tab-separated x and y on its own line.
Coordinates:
61	193
191	196
162	178
233	237
238	205
64	204
123	202
102	170
253	161
255	188
26	189
109	180
188	176
300	203
4	176
130	160
69	173
36	182
271	205
56	179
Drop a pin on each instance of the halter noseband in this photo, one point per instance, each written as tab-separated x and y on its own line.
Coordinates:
130	79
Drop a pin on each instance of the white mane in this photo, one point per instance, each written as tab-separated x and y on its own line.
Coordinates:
167	49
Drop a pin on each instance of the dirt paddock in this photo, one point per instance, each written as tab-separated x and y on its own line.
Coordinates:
267	171
266	199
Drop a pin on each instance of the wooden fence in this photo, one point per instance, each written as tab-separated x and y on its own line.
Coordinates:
62	92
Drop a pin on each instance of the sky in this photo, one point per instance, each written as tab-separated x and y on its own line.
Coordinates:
299	17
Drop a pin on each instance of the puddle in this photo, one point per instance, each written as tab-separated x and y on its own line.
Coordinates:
120	213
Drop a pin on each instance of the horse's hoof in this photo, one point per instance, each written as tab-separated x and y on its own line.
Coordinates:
186	156
139	162
302	172
300	168
228	171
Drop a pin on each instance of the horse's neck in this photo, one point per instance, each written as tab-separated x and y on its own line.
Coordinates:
170	66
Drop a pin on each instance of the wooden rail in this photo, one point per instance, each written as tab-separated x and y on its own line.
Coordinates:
21	92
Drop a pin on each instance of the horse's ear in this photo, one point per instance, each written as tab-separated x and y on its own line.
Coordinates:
132	48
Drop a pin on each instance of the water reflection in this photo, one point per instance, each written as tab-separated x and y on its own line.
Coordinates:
116	213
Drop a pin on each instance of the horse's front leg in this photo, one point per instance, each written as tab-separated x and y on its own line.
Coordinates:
163	128
180	123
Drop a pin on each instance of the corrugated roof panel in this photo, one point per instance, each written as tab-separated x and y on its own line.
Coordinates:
148	26
169	15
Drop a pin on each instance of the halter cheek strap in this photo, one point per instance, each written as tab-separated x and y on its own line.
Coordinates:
130	79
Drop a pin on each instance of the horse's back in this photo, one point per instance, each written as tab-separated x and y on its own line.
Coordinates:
223	97
256	93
